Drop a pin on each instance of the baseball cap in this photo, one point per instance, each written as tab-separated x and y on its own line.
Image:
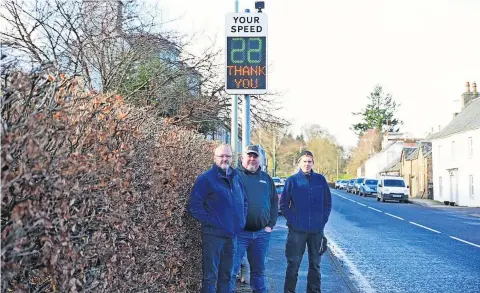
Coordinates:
253	149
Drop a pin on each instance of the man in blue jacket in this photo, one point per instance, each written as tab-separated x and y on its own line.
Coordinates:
219	203
306	203
261	217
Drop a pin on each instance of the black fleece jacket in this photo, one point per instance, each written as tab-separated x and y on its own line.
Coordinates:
262	199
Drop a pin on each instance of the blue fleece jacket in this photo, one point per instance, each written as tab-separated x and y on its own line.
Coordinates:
219	202
306	202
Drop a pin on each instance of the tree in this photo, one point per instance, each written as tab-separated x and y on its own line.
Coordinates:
369	143
313	131
118	46
288	153
328	153
378	114
271	138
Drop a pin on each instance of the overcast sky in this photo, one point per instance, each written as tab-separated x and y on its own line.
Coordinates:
326	56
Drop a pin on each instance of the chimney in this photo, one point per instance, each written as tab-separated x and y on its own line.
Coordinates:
468	96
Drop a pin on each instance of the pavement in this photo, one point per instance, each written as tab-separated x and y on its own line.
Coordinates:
334	276
429	202
471	211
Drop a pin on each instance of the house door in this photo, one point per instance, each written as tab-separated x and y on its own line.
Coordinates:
454	186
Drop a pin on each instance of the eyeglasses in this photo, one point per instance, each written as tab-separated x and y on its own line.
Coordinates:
224	156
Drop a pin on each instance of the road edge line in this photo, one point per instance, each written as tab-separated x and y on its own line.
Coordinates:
342	271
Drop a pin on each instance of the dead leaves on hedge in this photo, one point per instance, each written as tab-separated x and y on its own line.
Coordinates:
94	192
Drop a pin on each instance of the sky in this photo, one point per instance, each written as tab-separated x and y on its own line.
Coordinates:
325	57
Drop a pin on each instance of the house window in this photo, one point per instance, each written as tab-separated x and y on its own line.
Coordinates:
472	192
470	147
453	150
440	187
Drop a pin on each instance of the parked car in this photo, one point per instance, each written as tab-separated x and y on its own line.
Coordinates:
369	186
279	188
343	184
277	180
350	184
392	188
356	185
337	184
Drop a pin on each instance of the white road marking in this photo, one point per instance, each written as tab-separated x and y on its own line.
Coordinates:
424	227
464	241
350	200
375	209
394	216
361	204
358	278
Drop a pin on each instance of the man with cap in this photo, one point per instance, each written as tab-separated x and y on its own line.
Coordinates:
306	203
261	217
218	201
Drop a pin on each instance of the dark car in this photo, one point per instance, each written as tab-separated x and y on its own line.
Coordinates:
277	180
279	188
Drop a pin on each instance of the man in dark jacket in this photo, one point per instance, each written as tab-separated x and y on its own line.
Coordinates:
261	217
218	201
306	203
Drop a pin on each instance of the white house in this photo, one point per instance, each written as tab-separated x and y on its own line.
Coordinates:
392	146
456	156
376	164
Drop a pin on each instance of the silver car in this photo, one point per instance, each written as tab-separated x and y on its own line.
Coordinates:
342	184
356	185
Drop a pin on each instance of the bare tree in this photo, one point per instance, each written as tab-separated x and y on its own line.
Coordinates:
369	143
119	46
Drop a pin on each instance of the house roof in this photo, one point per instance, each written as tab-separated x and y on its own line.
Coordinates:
394	166
413	155
407	151
467	119
426	147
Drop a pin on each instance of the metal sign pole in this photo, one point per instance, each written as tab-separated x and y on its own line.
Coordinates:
246	117
234	123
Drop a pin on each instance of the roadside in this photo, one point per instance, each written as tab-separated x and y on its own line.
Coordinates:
334	278
471	211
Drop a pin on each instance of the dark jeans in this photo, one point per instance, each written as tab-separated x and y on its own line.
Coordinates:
218	254
295	248
256	246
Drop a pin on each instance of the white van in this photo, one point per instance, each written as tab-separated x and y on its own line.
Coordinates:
392	188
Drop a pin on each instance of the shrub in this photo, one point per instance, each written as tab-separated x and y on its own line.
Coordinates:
94	192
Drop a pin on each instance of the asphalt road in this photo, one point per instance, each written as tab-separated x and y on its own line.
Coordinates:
393	247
